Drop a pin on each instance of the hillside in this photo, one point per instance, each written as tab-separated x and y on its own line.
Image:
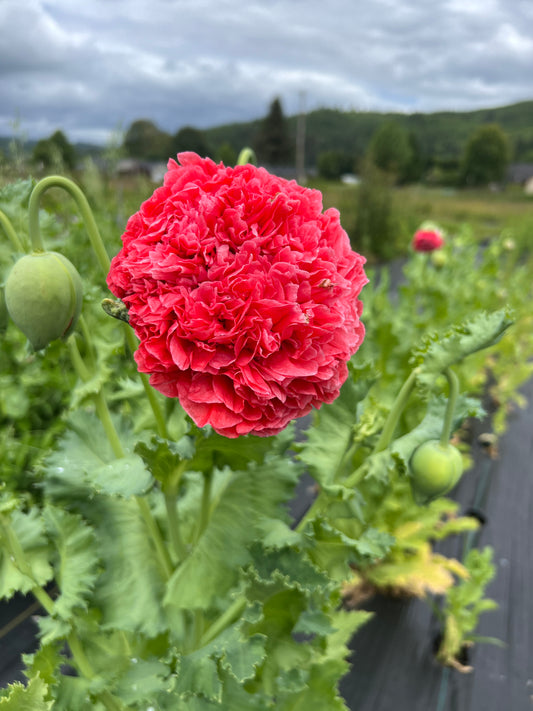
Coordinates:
440	136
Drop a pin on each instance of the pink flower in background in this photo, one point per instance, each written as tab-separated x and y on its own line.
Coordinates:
427	240
243	293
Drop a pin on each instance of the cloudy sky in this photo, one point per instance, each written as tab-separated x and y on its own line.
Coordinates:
91	67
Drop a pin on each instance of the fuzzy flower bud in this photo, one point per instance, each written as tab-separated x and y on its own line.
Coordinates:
44	297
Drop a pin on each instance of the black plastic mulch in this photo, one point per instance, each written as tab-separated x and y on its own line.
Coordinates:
393	664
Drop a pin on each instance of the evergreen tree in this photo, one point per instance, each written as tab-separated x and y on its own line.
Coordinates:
273	145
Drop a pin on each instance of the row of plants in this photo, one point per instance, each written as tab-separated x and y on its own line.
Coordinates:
169	572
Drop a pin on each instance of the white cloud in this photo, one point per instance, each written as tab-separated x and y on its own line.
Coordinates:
90	67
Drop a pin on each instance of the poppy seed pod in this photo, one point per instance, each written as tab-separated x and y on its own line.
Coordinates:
44	296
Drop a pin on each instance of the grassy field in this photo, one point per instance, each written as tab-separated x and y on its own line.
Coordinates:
486	212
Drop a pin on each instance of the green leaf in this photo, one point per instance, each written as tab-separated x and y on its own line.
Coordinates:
28	529
442	351
84	459
130	589
77	559
32	697
198	675
245	503
143	681
431	426
163	457
329	439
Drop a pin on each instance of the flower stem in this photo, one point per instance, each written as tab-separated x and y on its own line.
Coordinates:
229	616
85	668
247	155
395	413
149	391
153	528
104	415
10	232
453	383
205	507
178	544
57	181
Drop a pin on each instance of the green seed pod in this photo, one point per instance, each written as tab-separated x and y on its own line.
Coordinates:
435	470
44	297
439	259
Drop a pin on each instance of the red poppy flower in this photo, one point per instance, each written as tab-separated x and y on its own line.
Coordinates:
427	240
243	295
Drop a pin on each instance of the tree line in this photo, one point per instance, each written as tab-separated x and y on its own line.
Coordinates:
448	148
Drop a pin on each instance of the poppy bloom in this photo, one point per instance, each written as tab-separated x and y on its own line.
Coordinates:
243	294
427	240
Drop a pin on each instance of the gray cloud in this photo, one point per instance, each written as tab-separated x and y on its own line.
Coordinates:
93	67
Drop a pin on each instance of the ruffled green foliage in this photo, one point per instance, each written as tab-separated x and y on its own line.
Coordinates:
171	573
463	606
25	698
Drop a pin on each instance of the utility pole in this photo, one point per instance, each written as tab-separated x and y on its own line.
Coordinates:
300	142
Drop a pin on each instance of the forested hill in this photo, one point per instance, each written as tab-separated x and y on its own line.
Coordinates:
441	135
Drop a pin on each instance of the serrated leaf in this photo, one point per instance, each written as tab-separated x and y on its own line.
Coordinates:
143	681
28	528
418	574
442	351
329	438
163	457
129	591
198	675
77	559
84	458
85	389
245	504
32	697
287	569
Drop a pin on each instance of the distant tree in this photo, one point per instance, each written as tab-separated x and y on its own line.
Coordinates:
55	151
332	164
414	170
377	230
486	156
189	139
391	150
144	140
273	144
227	154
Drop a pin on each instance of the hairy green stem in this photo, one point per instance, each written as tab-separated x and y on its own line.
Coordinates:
10	232
247	155
205	507
85	668
453	384
230	615
178	544
57	181
149	391
104	415
153	528
395	413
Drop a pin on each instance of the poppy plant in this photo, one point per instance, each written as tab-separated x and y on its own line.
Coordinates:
243	294
426	240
